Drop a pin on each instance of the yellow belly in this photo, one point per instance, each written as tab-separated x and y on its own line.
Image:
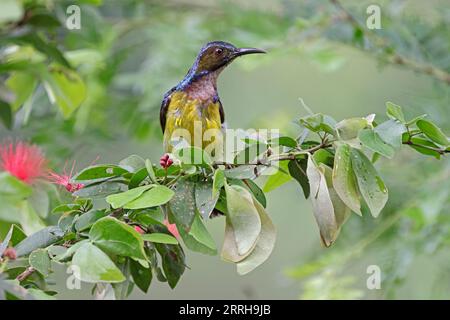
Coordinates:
196	122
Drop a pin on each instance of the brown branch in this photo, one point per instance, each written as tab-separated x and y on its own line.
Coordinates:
24	275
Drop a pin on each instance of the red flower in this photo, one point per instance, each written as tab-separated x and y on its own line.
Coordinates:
172	227
139	229
165	161
24	161
65	179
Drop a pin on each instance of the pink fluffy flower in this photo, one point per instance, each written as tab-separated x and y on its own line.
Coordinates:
172	227
24	161
65	179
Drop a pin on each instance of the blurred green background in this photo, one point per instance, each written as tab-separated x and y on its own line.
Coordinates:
130	52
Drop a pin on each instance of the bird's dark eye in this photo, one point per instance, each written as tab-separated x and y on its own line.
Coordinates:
218	51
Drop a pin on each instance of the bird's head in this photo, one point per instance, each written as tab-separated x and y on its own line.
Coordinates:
214	56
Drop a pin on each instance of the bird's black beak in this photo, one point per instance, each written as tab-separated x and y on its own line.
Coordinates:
244	51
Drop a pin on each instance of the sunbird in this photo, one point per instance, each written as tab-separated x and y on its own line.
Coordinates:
195	99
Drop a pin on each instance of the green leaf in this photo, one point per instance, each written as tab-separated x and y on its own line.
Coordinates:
65	256
312	122
99	189
323	156
284	141
341	211
297	170
420	145
99	172
321	203
218	182
370	139
137	178
43	45
86	220
204	199
264	244
117	237
349	128
132	163
251	186
6	115
182	205
414	120
142	276
391	132
172	262
156	196
344	179
65	88
17	235
29	219
151	172
198	239
278	178
22	84
243	217
123	289
103	270
160	238
5	241
40	261
433	132
370	184
118	200
395	112
41	239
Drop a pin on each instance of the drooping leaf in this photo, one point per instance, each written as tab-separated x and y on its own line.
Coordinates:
243	217
172	262
344	180
204	199
103	270
198	238
253	188
371	186
297	169
321	204
153	197
264	244
284	141
182	204
117	237
142	276
433	132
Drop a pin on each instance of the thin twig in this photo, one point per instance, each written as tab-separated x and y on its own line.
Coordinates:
24	275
